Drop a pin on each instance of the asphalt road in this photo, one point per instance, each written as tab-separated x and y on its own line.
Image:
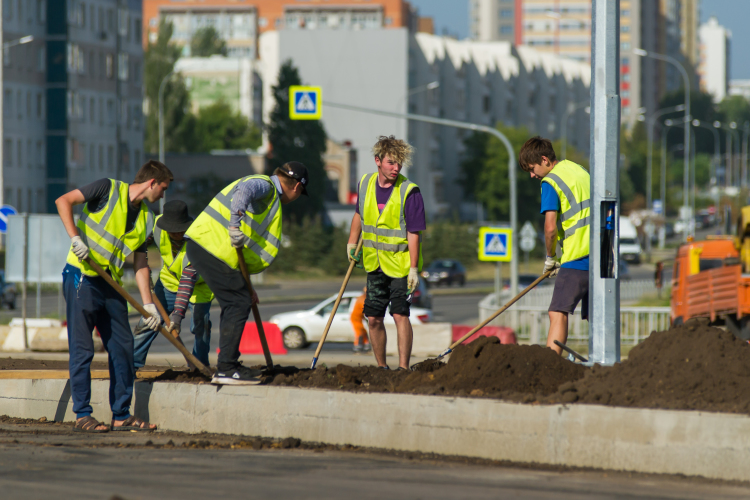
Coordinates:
43	461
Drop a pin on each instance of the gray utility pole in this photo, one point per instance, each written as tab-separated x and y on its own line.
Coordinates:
745	131
686	82
604	271
729	129
649	157
565	119
511	169
161	126
714	184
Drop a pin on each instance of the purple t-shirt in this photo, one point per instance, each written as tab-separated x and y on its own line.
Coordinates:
413	209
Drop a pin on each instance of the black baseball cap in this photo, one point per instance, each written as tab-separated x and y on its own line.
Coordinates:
298	172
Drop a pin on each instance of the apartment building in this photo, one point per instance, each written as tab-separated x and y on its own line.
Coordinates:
495	20
713	66
240	23
72	98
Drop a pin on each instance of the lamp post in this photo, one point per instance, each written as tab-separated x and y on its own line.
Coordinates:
422	88
566	117
686	83
730	130
649	156
717	155
687	220
161	126
745	132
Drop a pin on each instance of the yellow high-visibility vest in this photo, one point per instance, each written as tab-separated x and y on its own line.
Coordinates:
262	231
572	184
171	271
384	233
104	232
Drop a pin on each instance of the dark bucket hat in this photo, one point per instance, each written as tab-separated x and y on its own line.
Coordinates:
175	218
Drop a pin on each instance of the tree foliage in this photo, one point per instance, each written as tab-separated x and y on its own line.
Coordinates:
206	42
219	127
297	140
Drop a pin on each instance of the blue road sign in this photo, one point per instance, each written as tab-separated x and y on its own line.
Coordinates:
495	244
5	211
305	103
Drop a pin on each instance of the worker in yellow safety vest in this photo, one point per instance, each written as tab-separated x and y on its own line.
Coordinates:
566	207
389	216
115	224
179	286
245	215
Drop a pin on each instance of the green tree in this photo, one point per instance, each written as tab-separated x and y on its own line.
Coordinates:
207	42
297	140
219	127
160	58
735	109
203	189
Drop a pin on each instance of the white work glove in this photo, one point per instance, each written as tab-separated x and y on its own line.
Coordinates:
357	259
175	326
412	281
153	320
551	263
79	247
237	237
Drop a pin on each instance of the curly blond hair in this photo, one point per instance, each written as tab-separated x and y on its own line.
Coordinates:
397	150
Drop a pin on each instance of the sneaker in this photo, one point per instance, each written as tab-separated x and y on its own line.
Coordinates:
366	348
238	375
357	348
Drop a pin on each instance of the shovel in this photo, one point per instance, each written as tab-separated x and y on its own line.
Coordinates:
429	364
336	305
256	312
166	319
138	307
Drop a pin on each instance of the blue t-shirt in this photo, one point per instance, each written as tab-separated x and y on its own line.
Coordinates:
551	202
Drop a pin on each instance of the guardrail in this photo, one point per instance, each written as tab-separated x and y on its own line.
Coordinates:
636	324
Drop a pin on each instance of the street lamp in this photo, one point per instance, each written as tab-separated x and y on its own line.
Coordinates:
731	130
422	88
566	117
745	132
691	175
686	81
649	156
717	155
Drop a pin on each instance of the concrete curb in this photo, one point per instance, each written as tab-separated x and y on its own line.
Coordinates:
711	445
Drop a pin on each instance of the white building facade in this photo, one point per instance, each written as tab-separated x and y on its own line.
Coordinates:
493	20
713	67
72	98
389	70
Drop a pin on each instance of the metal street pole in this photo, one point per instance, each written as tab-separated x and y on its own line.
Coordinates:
649	156
479	128
689	222
729	175
745	131
717	155
161	126
566	117
604	269
686	83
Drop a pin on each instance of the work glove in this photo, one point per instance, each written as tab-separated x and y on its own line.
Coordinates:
350	249
412	281
153	320
79	247
237	237
551	263
175	324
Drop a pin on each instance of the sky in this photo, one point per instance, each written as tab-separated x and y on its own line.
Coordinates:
453	16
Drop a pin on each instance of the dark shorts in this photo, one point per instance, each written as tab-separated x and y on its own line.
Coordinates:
381	290
571	287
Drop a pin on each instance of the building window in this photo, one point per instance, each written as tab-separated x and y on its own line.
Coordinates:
110	158
625	46
41	11
506	30
110	112
8	153
28	104
101	157
19	104
29	154
122	66
92	109
92	156
109	64
39	155
110	19
19	147
92	17
625	28
137	36
506	13
123	16
8	103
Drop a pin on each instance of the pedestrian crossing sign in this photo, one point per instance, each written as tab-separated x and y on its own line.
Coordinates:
495	244
305	103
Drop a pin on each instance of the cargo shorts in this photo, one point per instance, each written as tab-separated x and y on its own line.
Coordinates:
382	290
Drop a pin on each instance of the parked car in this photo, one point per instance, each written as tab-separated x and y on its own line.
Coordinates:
299	328
630	247
445	271
422	296
7	292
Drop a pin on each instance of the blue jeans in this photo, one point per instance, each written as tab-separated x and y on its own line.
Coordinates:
92	302
200	326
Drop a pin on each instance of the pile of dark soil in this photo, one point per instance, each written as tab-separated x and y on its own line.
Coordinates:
182	375
482	368
691	367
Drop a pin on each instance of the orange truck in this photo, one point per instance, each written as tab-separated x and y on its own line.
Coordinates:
710	280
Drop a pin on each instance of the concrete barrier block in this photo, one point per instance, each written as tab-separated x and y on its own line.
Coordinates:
430	339
46	338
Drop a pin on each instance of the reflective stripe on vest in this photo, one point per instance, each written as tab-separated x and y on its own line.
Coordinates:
104	232
572	184
385	244
171	270
262	231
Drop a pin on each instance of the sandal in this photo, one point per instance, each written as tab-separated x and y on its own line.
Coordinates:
89	424
133	424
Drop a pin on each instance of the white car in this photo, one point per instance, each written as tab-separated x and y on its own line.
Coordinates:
299	328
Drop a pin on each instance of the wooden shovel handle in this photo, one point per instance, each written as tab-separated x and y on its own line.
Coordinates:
256	312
